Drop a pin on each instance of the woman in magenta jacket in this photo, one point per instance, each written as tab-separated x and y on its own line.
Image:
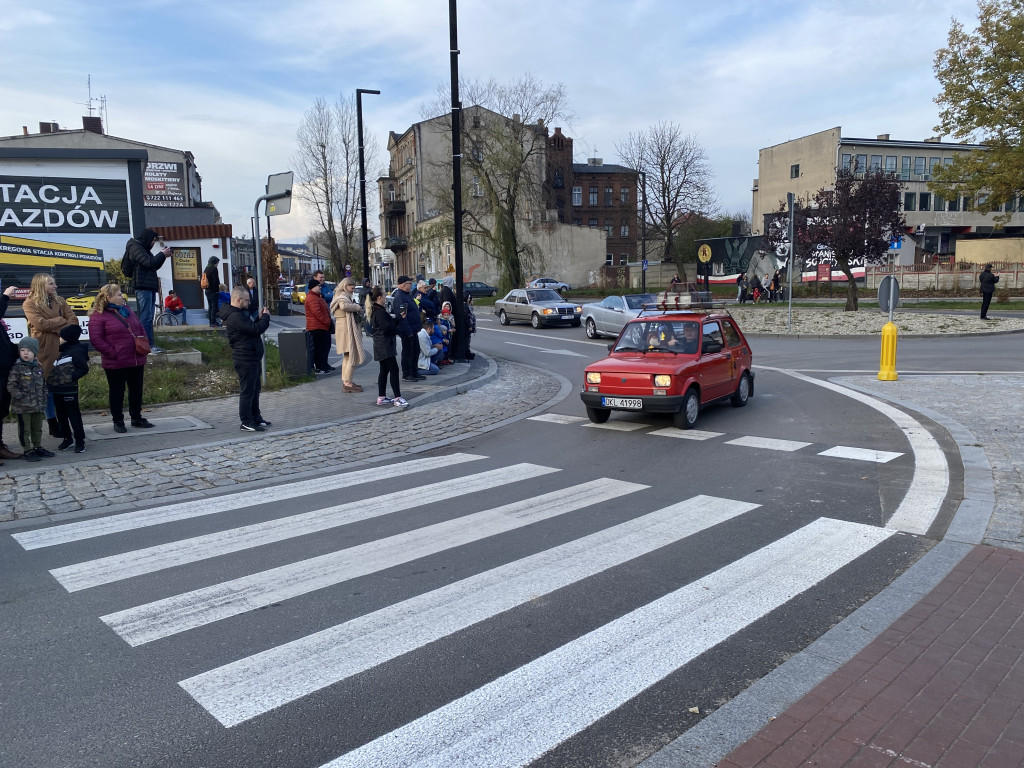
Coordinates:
112	330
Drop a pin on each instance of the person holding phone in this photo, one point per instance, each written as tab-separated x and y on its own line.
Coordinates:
245	338
145	278
409	324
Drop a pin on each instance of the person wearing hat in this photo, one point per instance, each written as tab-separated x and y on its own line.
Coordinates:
8	355
318	326
145	279
28	399
988	287
212	290
72	364
407	312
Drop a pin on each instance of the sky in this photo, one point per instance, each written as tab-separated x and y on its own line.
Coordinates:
229	81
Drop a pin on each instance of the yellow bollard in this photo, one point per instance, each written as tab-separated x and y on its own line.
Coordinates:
887	367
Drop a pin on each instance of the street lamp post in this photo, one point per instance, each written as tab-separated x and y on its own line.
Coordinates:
362	175
643	231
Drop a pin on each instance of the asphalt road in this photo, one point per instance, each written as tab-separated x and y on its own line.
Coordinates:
551	592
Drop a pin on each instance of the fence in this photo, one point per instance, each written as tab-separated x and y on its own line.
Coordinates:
960	277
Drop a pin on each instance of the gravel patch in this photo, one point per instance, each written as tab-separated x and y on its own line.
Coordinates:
865	322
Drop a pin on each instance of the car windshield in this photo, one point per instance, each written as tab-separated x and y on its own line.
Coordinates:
639	300
543	295
681	337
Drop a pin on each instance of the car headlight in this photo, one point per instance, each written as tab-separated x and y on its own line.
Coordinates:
579	309
550	311
593	378
663	380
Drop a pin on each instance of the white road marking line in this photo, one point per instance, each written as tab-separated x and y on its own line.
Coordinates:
534	335
556	418
179	613
250	687
686	434
126	565
861	454
545	349
769	443
617	426
930	482
128	521
516	718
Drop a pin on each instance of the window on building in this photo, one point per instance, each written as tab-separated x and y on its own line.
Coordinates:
608	192
624	196
1020	203
953	204
862	163
623	258
910	201
939	203
577	221
876	162
577	195
924	201
919	166
609	259
846	160
624	228
478	152
559	181
609	228
947	161
794	171
932	162
968	203
477	191
593	195
592	223
905	168
890	163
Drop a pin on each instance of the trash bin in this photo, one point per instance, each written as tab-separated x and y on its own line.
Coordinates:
295	358
284	308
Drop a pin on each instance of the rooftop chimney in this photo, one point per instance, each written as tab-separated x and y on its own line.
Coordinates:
48	128
595	161
883	137
92	124
24	130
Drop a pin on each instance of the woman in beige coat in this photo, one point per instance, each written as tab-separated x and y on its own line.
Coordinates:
46	314
347	332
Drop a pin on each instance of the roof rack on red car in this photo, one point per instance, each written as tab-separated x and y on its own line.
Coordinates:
692	301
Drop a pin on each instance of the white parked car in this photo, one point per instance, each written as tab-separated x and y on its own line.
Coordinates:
608	316
548	282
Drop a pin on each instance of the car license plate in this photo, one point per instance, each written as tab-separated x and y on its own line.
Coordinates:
622	402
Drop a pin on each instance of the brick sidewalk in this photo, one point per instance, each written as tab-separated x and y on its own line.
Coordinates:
943	687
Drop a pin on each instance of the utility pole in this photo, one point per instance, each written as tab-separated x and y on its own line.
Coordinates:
459	352
362	176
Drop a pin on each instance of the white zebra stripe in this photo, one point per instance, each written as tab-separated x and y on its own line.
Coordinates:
129	521
179	613
249	687
518	717
106	570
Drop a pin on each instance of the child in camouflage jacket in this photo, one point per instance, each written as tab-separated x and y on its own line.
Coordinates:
28	399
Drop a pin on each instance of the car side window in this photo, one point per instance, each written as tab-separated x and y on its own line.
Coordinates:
731	337
712	333
608	301
521	299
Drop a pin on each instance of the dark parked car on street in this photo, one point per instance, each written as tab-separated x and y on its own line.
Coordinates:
475	289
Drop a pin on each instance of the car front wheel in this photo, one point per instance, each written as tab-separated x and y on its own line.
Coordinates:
535	321
592	329
503	318
742	393
686	417
598	415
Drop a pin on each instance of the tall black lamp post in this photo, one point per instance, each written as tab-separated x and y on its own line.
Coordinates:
362	176
643	231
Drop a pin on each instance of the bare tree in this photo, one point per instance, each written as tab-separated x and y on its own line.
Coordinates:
504	148
677	178
327	167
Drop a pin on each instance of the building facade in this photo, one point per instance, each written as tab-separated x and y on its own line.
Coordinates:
934	222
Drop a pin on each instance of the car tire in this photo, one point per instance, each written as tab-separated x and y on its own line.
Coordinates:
535	321
598	415
577	323
494	293
742	393
592	329
686	416
503	318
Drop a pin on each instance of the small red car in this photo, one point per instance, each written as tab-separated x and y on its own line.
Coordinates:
671	362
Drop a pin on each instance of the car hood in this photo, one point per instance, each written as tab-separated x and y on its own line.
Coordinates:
643	362
552	304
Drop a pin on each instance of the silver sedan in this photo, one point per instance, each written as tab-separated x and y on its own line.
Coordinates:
608	316
539	307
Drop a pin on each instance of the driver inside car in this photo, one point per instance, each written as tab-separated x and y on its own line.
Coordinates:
691	339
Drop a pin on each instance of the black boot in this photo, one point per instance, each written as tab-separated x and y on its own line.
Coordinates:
119	426
54	427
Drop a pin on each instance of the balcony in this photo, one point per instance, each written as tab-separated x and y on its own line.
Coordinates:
397	244
394	208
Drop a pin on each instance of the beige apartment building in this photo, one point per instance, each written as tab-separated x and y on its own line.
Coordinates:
934	224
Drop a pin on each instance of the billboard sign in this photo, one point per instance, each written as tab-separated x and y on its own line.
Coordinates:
60	205
164	185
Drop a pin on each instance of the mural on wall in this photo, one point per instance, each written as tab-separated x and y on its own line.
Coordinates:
732	255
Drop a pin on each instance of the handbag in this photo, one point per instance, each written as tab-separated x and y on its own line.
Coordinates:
142	345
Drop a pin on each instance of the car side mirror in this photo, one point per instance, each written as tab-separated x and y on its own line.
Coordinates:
618	309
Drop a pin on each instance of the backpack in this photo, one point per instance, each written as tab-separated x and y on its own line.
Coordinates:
204	282
62	374
128	265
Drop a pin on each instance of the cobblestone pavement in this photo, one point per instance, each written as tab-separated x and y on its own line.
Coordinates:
144	478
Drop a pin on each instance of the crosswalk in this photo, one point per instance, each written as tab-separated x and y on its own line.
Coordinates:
510	719
748	441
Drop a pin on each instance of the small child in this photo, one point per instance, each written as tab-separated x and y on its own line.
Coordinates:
28	399
71	365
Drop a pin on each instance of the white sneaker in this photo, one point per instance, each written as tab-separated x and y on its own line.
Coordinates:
400	402
384	401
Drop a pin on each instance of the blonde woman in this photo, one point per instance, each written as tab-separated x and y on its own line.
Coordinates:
46	314
347	332
113	328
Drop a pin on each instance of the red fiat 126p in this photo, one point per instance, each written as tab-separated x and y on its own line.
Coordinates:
671	361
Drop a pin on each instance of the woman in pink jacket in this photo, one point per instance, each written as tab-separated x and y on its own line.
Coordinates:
113	328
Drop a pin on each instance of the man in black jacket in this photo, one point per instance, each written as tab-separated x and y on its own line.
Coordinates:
8	354
212	291
988	287
245	338
405	309
146	282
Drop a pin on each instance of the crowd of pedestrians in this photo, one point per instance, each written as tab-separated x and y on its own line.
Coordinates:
766	288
